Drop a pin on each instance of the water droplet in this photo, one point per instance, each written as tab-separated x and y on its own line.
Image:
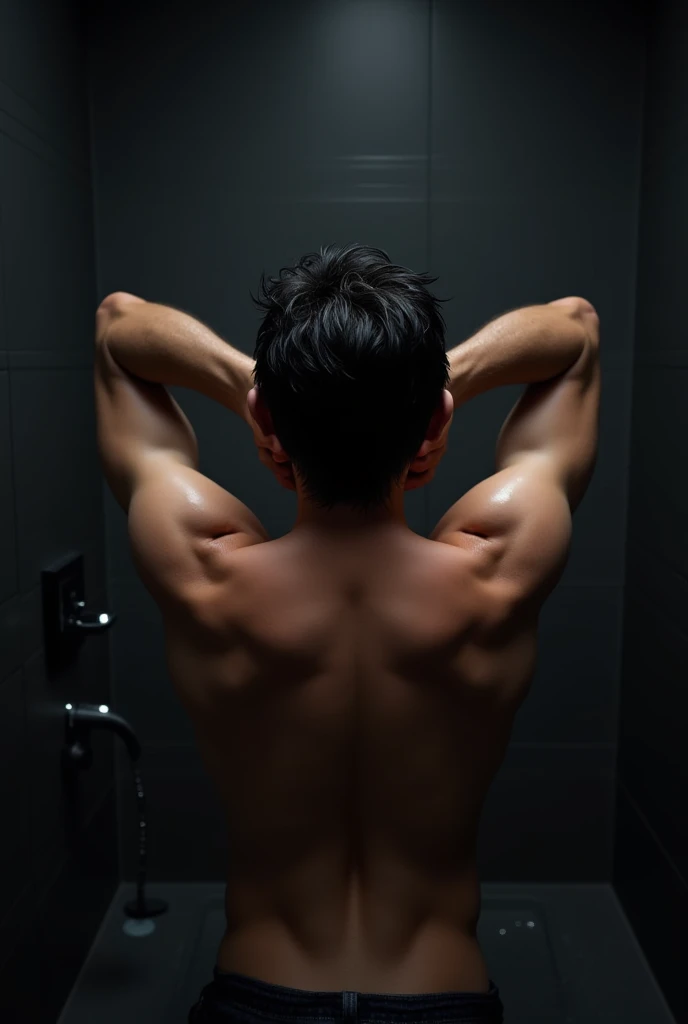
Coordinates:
502	931
531	924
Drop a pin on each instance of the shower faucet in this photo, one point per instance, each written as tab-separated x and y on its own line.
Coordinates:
80	620
81	719
66	619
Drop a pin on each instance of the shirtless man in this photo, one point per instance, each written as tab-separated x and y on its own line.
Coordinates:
352	684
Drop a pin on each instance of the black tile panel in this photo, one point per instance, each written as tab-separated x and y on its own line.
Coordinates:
659	582
574	695
42	72
47	254
8	558
658	491
549	815
655	899
652	727
14	861
57	472
10	636
499	132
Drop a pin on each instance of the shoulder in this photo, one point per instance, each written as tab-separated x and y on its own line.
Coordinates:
515	529
184	529
489	598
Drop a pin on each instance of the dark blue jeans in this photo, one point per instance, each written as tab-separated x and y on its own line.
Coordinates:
243	1000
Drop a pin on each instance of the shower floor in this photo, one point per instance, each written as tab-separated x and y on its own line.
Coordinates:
561	954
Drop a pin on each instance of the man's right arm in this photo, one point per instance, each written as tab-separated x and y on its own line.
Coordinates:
520	518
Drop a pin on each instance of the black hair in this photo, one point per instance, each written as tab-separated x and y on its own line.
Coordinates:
351	362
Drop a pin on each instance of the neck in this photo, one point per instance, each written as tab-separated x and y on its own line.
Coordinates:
346	521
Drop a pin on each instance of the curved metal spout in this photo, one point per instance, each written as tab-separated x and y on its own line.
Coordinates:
81	718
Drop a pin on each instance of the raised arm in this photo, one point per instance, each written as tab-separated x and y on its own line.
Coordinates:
179	520
167	346
521	517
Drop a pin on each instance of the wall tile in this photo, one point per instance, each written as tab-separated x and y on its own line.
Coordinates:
659	582
57	472
58	862
652	727
549	815
655	899
498	133
662	248
8	559
651	842
47	260
658	494
10	637
43	73
14	866
574	694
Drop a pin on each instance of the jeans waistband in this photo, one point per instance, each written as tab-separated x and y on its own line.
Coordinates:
280	1001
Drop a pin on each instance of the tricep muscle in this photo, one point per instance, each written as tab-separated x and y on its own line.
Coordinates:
519	520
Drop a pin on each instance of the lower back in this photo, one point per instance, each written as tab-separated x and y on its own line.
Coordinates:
362	942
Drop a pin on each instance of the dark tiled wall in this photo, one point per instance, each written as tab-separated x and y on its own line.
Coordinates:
535	143
496	144
651	851
58	862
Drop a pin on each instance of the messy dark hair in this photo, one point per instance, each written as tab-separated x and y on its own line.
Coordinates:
351	362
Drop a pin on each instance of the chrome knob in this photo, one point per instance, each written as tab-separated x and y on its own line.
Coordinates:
82	620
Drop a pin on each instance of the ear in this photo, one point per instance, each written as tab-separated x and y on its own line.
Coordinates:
438	427
259	411
442	417
262	418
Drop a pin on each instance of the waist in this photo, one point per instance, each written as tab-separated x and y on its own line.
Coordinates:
435	957
237	995
381	926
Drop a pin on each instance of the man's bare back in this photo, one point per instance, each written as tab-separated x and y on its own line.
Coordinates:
353	691
352	705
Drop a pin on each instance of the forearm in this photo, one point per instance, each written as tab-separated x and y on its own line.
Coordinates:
523	346
166	346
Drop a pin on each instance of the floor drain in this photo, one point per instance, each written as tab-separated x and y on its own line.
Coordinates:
137	928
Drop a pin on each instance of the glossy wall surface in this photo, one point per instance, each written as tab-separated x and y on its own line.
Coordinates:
58	852
651	849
